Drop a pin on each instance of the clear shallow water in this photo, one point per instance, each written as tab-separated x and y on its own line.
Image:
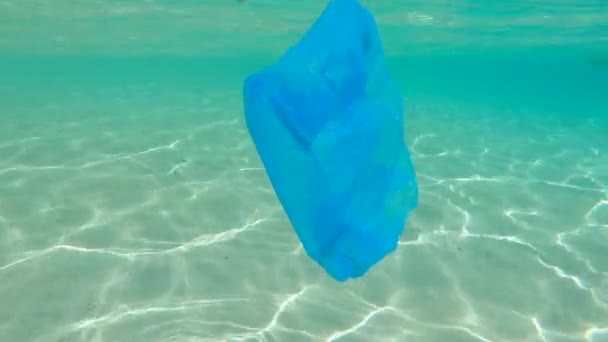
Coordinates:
133	206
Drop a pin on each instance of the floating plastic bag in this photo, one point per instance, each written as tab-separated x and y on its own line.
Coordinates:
327	122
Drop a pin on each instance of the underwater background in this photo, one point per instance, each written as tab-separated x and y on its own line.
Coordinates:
133	205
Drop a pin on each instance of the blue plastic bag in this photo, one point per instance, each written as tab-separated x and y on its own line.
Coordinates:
327	122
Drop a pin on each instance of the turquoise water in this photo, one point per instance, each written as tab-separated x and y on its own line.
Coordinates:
133	206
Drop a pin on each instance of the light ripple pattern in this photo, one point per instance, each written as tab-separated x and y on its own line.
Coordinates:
133	206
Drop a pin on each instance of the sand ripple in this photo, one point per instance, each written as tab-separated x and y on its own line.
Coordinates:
160	225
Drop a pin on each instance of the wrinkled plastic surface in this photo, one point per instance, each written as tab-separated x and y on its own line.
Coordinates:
327	122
